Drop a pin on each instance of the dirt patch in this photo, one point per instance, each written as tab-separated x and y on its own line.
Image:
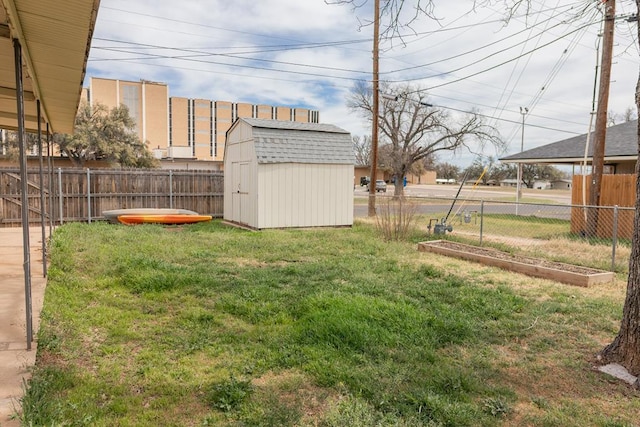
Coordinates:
295	390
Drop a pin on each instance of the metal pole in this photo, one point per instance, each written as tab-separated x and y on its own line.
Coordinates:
60	195
523	111
614	238
42	207
17	51
89	195
481	219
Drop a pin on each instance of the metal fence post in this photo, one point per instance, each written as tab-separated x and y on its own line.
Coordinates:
171	188
481	219
60	195
614	238
89	195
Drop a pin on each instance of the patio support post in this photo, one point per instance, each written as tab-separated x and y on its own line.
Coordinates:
41	182
17	52
50	174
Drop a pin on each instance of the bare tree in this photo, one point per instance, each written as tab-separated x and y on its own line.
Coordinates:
362	150
396	15
628	115
416	130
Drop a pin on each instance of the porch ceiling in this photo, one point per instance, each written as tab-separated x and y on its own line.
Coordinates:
55	37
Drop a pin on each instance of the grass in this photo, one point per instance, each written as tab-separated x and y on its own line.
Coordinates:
210	325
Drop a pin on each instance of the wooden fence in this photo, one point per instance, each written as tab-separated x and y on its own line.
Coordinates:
83	194
615	191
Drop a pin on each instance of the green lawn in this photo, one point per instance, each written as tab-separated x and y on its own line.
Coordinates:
208	325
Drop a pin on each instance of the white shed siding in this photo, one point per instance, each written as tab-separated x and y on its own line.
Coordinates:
304	195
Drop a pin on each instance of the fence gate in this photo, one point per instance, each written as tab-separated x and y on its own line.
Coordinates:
11	200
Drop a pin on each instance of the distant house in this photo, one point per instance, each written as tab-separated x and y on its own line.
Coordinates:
618	182
509	182
288	174
561	184
621	150
541	184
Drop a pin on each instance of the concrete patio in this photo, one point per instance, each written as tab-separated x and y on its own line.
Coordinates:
15	359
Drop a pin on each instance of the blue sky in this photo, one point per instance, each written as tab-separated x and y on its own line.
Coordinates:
309	54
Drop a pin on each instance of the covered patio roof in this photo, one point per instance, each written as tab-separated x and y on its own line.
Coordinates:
55	37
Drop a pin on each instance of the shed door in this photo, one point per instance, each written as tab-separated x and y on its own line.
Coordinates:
240	192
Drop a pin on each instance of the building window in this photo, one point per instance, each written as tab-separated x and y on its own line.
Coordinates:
131	98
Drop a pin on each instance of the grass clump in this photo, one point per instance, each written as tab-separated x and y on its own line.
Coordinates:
229	394
210	325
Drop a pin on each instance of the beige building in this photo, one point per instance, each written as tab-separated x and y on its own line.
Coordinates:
184	129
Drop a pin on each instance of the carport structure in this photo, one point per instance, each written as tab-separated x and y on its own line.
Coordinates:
44	47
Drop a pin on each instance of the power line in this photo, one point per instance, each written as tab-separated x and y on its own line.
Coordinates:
476	49
490	68
197	53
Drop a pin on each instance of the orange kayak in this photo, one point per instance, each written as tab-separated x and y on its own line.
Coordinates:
162	219
112	215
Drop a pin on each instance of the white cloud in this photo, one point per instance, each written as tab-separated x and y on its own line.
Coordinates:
197	47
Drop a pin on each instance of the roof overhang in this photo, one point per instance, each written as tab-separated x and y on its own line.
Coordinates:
55	37
569	160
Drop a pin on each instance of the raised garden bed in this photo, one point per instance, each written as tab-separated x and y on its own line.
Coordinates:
560	272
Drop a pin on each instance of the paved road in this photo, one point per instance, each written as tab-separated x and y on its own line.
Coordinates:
469	201
561	197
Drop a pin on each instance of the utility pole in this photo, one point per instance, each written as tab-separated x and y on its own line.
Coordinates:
600	133
374	112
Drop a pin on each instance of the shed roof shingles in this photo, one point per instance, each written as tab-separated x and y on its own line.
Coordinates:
293	142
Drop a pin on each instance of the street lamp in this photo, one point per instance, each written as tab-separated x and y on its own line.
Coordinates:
523	111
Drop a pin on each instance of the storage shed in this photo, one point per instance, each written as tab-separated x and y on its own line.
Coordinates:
288	174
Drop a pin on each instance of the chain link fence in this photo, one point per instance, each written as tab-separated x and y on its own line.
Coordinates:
591	236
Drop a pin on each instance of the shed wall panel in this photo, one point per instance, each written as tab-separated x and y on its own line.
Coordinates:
304	195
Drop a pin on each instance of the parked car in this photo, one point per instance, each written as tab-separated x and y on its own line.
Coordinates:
380	186
364	180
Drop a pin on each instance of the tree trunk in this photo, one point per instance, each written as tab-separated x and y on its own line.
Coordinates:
625	348
398	190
